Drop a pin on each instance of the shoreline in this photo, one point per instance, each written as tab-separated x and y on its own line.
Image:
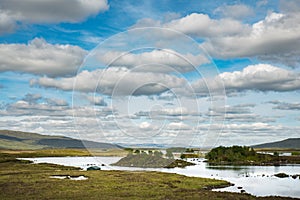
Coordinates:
208	188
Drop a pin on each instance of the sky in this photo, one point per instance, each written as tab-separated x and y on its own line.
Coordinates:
168	72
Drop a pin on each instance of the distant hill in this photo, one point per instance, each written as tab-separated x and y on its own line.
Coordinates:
25	140
291	143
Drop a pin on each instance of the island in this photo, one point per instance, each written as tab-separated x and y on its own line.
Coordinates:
243	155
151	159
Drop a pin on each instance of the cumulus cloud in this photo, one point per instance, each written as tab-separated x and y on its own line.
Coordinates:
201	25
24	108
38	98
122	81
237	114
235	11
32	98
7	25
57	102
56	118
291	6
114	81
178	126
96	100
242	132
274	39
37	105
48	11
285	105
169	113
260	77
41	58
164	60
258	126
178	111
146	126
236	109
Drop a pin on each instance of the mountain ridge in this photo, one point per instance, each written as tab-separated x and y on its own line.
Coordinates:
292	143
26	140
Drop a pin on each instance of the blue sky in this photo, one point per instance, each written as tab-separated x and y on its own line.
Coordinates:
192	73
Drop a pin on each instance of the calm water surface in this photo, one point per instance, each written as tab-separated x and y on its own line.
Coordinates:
256	180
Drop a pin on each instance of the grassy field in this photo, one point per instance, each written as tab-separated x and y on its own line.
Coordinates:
23	180
65	152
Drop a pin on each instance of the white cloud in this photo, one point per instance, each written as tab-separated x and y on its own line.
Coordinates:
178	111
164	60
291	6
21	108
258	126
58	119
260	77
146	126
57	102
114	81
170	113
36	105
276	38
201	25
122	81
96	100
41	58
244	130
50	11
261	3
32	98
285	105
7	25
178	126
235	11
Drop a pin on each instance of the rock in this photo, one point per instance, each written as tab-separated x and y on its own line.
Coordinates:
239	187
93	168
281	175
296	176
243	191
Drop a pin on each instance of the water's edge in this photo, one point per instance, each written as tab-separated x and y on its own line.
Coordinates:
255	180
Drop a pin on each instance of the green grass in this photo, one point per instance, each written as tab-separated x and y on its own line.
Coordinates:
6	144
64	152
23	180
17	140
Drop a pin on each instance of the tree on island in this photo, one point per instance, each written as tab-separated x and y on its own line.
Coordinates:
158	153
169	154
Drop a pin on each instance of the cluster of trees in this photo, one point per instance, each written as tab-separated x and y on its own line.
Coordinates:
146	158
155	153
232	154
185	152
151	158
